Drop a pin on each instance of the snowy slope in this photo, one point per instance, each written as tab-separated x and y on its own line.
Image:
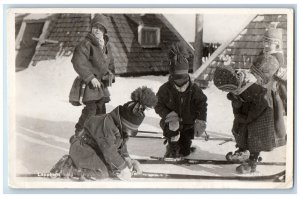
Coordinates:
45	120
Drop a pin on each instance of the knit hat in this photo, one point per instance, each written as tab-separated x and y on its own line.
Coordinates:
99	21
226	79
132	112
273	34
178	59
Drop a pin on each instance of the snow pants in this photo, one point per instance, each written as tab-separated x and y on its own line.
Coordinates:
91	108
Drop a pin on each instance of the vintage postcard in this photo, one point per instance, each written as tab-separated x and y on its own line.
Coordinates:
150	98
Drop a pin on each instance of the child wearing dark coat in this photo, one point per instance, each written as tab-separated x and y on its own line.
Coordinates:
93	62
181	105
253	125
100	150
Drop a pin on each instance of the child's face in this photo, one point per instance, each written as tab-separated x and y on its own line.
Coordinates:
99	34
269	46
180	79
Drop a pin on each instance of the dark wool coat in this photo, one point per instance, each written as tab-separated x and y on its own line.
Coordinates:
189	105
253	126
107	148
90	61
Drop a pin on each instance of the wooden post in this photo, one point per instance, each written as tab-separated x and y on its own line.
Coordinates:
198	45
220	49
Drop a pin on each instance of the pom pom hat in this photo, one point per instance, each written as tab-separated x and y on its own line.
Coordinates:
179	64
132	112
225	79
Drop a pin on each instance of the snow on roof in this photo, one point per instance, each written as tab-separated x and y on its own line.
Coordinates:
37	16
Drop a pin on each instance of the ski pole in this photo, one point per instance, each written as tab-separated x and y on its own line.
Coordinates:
206	136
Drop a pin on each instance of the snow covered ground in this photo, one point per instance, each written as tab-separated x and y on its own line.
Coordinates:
45	120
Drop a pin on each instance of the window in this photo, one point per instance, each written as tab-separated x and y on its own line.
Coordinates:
149	37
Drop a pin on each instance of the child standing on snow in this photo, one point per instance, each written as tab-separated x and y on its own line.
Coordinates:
270	73
93	62
100	150
253	125
181	105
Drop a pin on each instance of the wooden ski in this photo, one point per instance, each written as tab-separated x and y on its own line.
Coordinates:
161	160
274	177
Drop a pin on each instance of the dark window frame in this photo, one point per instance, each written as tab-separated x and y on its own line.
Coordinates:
142	29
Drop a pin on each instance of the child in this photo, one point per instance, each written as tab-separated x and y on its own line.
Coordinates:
253	125
271	74
101	149
93	62
181	105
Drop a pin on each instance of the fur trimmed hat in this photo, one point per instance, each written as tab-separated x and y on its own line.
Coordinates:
178	55
99	21
132	112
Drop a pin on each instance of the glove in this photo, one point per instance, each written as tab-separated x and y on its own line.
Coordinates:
173	120
125	174
199	127
136	167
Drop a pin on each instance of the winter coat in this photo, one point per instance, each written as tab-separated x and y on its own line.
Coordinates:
189	105
267	66
102	146
253	126
90	61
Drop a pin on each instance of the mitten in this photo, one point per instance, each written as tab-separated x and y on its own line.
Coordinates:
171	117
199	127
173	120
124	174
136	167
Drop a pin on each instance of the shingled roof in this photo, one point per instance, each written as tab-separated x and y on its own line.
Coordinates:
129	56
247	46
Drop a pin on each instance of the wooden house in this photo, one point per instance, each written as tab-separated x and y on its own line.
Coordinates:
139	42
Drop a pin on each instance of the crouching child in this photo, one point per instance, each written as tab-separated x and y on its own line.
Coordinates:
181	105
100	151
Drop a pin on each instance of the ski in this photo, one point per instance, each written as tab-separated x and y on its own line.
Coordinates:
148	137
206	137
180	161
274	177
278	177
210	138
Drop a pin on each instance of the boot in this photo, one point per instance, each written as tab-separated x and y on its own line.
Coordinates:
239	155
172	150
246	167
250	165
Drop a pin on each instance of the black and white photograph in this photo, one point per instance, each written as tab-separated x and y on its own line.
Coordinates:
155	98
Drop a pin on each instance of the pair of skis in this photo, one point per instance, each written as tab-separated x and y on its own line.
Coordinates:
278	177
